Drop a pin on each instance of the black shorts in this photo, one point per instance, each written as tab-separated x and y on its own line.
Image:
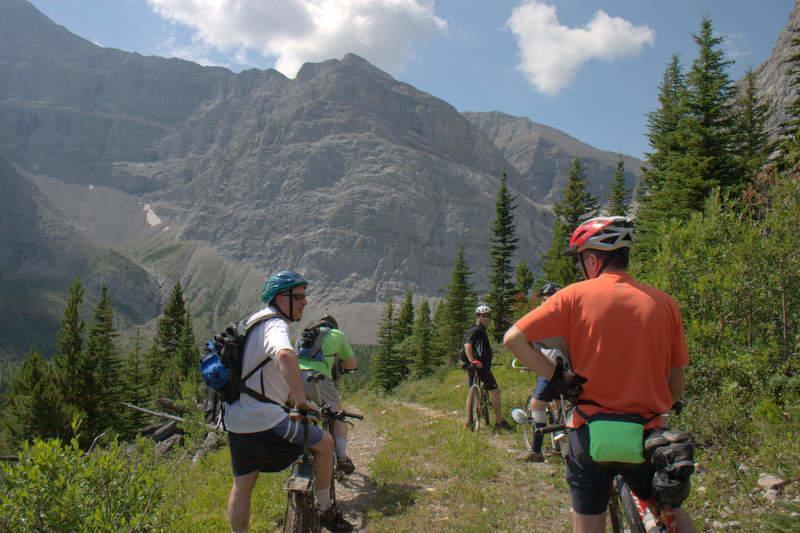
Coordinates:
590	482
272	450
485	375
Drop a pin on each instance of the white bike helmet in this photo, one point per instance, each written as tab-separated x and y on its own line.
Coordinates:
483	309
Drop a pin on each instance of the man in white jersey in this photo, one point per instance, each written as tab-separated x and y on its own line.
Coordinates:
267	436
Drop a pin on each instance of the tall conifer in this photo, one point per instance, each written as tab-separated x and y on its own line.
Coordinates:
423	362
385	373
70	344
405	318
458	307
101	348
752	139
504	244
618	199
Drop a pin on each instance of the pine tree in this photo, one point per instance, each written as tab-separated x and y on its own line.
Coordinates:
711	96
504	244
33	406
101	349
190	353
385	373
576	206
458	307
752	139
136	390
440	346
167	358
405	318
525	279
423	362
618	199
70	344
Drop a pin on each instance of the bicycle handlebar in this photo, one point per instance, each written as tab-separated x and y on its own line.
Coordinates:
550	429
520	368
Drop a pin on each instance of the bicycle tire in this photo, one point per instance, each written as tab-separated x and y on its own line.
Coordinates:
485	406
301	515
624	513
474	406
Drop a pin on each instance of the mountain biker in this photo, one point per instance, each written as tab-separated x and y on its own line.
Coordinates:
628	353
334	348
545	391
478	352
261	436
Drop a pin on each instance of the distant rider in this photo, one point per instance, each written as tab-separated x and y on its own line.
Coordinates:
478	352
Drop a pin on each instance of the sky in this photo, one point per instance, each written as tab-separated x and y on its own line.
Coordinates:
587	67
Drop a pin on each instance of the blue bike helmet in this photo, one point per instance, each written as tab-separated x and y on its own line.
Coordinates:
281	282
549	289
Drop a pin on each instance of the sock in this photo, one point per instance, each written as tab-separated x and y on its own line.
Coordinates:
341	447
323	497
539	421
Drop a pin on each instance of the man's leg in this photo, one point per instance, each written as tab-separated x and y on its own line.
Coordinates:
498	411
683	522
323	466
588	523
470	374
239	501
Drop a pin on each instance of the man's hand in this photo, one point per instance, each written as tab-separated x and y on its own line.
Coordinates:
299	412
568	384
476	363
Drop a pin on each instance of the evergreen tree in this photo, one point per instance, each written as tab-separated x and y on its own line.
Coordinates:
167	359
385	371
458	308
440	345
504	244
423	362
136	390
576	206
405	318
33	406
102	351
618	199
525	279
711	96
70	344
752	139
190	353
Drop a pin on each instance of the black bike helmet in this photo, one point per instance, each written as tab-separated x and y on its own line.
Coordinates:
549	289
328	319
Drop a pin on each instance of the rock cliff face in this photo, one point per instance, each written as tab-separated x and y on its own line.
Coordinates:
774	78
363	183
543	156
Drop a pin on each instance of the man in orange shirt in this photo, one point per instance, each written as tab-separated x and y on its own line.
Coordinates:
628	357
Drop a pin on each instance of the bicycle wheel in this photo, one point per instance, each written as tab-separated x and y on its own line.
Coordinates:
474	407
623	510
485	406
527	429
301	516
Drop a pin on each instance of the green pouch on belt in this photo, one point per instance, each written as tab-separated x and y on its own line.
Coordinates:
616	438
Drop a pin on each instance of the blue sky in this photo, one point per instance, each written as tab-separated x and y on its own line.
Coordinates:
586	67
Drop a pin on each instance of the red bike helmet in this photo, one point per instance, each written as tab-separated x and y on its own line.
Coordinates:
602	233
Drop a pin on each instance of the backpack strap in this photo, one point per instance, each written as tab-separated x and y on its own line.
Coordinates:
250	323
592	402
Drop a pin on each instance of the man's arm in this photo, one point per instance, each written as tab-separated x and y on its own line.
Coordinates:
471	355
677	383
287	364
518	344
346	355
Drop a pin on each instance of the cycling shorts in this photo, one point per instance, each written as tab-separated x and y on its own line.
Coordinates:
272	450
545	391
590	483
485	375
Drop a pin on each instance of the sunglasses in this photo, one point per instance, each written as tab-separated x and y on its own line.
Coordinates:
295	297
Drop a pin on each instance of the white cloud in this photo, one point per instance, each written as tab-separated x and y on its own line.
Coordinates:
297	31
551	54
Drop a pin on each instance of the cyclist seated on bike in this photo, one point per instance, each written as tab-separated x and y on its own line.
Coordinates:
328	345
628	353
545	391
262	437
477	360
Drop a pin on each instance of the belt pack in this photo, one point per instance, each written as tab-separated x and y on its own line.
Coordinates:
615	437
672	455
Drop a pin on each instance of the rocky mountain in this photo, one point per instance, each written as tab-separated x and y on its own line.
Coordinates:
41	253
774	78
543	156
365	184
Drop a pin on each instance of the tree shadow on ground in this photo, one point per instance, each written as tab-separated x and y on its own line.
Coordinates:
385	499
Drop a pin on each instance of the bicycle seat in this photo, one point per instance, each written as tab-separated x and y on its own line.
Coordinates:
315	377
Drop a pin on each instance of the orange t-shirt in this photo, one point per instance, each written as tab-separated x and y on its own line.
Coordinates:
623	336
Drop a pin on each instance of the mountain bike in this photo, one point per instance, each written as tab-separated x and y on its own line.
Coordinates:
557	413
301	509
631	514
477	402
